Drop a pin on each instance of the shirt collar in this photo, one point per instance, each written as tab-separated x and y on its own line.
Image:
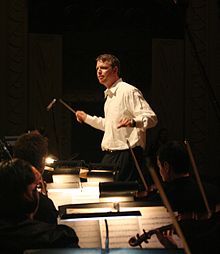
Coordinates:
112	90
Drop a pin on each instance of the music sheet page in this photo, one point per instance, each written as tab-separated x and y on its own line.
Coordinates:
92	233
153	217
88	232
120	231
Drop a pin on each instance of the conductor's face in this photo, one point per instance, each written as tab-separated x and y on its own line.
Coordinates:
106	74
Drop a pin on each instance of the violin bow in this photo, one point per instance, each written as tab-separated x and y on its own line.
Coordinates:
168	206
137	166
196	172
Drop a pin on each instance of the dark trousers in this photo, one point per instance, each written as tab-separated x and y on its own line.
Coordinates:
125	169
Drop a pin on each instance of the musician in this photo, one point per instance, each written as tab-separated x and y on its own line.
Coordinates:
127	116
33	147
19	201
185	197
180	185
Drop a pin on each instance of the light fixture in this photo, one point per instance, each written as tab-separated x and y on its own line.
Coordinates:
117	191
73	212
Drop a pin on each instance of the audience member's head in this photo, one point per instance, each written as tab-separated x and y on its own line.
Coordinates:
173	160
18	189
32	147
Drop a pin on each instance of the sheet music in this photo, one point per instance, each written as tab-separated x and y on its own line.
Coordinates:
92	233
120	231
83	194
88	232
153	217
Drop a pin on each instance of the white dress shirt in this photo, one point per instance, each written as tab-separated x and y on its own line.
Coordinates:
123	101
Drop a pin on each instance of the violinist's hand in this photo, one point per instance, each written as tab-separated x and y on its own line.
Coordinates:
81	116
125	122
42	187
166	239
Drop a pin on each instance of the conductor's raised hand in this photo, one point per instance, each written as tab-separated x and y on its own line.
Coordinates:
81	116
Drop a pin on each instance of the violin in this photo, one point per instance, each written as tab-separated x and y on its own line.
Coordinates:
200	220
139	239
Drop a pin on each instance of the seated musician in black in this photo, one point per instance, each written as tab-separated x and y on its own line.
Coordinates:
180	185
185	197
33	147
19	200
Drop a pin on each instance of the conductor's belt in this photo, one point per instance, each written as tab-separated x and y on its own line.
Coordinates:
114	151
121	150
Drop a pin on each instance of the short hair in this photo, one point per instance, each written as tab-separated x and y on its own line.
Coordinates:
112	59
32	147
15	177
175	154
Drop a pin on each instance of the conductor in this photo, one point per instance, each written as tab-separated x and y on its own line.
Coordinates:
127	116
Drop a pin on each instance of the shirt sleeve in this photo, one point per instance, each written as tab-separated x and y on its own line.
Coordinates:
140	110
96	122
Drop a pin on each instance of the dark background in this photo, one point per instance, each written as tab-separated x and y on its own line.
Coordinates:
164	18
48	50
89	28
